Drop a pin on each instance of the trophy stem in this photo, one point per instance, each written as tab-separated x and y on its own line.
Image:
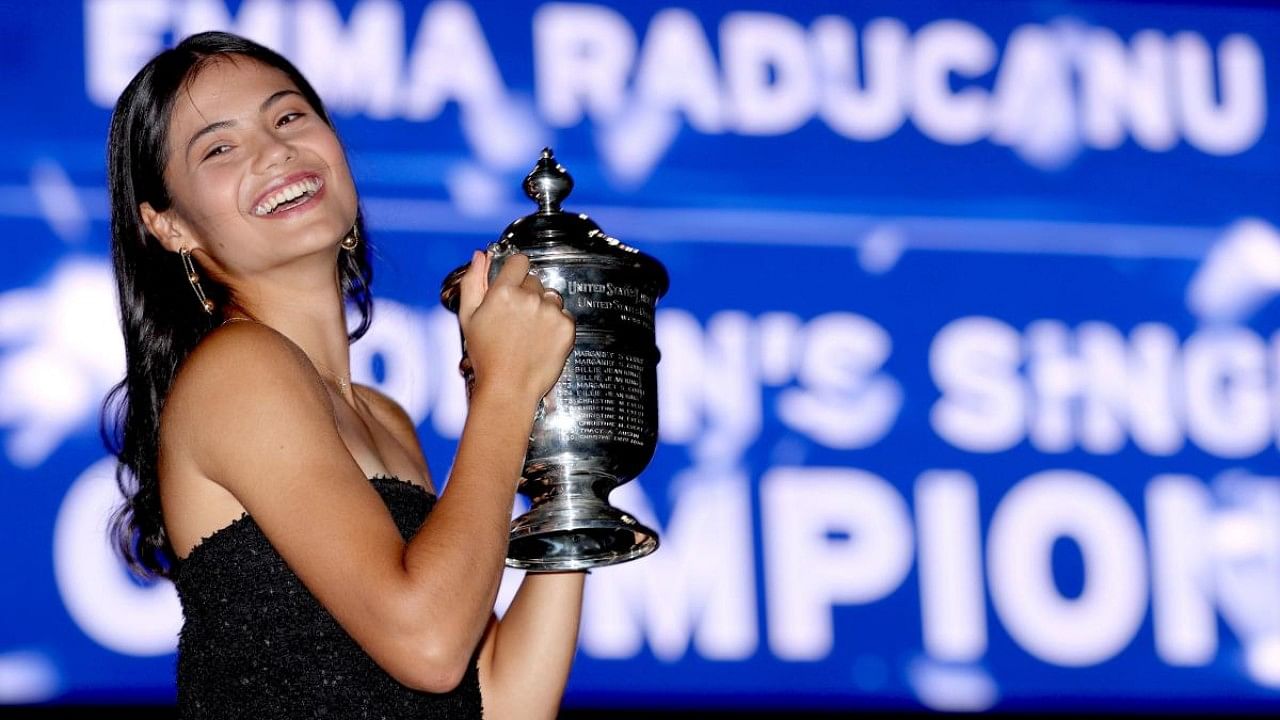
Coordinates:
572	526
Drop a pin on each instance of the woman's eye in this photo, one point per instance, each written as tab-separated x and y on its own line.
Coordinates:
217	150
288	118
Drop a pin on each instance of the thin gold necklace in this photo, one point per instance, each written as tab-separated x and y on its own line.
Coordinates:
343	383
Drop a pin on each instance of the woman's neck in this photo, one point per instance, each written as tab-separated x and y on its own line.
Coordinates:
313	316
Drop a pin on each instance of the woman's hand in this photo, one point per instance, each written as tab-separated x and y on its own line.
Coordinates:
518	333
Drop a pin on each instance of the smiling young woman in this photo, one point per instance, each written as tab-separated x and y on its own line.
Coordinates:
293	510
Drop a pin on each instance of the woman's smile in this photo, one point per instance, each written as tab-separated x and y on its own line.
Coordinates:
294	195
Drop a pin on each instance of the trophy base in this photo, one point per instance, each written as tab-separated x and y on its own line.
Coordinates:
576	532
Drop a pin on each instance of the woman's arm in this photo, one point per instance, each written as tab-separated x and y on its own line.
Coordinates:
249	412
526	657
538	634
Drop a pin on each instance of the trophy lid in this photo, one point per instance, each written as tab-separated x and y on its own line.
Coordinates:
551	235
548	184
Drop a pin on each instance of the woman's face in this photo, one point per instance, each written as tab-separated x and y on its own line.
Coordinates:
257	178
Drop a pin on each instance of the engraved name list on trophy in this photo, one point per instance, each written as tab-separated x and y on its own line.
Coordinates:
608	387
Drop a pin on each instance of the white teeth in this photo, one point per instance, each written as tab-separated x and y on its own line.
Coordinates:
287	193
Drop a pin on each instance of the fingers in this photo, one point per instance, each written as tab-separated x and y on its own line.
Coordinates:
471	289
514	271
553	296
532	283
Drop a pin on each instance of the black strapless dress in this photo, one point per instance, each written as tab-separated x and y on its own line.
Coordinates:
255	643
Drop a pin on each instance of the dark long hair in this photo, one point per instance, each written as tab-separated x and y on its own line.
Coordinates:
160	316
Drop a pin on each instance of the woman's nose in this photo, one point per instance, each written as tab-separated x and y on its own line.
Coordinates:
273	151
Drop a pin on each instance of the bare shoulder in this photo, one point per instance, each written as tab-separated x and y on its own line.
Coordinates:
239	355
243	352
240	376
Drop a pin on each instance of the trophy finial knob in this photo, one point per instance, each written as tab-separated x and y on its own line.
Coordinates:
548	184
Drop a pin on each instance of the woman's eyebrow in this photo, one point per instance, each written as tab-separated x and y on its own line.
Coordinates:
215	126
211	127
276	96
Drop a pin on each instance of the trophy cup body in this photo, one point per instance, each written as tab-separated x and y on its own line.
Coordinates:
598	426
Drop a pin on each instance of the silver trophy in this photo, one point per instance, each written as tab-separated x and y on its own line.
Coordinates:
598	426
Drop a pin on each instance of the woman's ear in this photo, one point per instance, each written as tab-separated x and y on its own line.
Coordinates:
163	226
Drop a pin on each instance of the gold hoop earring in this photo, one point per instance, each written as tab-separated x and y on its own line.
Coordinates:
194	279
352	239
